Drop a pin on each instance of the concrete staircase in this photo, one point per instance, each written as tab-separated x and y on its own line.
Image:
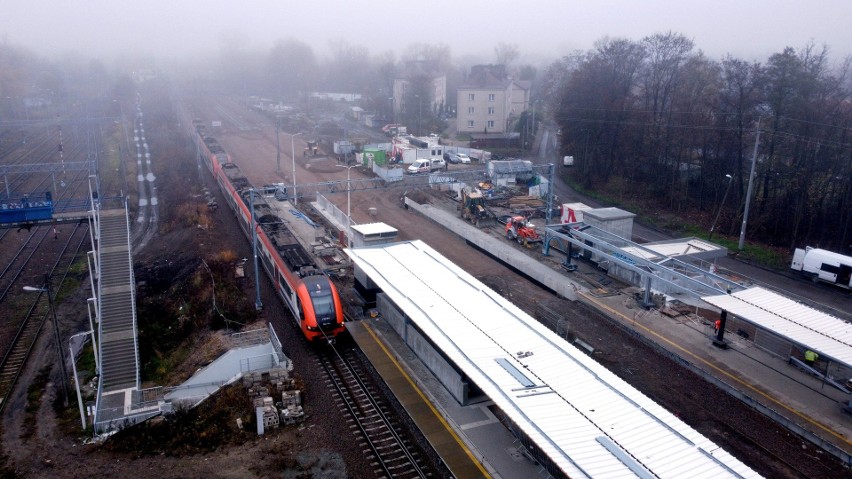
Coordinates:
118	344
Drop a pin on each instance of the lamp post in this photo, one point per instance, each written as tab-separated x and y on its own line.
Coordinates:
348	204
293	155
57	339
74	370
724	197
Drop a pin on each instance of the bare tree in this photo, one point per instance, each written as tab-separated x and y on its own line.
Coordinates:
506	53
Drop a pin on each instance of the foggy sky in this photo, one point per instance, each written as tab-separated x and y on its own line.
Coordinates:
543	29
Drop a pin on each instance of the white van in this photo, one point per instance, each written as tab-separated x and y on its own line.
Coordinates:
420	166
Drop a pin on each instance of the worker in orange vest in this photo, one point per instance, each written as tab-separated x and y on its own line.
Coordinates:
717	325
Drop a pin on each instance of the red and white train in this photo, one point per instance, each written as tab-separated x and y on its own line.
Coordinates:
305	288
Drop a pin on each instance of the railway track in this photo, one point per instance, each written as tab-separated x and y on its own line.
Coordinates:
36	314
392	454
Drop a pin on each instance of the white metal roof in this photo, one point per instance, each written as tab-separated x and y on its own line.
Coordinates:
374	228
821	332
608	214
586	419
683	247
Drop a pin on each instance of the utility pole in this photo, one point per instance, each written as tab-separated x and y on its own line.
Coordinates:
750	186
258	305
293	155
278	144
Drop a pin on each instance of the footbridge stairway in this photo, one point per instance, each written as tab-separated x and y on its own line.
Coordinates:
116	311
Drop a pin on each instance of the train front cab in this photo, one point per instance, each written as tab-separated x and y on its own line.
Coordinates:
320	310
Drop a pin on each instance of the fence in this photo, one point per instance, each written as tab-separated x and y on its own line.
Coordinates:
334	214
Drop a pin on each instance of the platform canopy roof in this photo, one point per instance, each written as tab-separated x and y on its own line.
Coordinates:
588	421
828	335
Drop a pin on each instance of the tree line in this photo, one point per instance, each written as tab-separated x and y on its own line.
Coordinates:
659	120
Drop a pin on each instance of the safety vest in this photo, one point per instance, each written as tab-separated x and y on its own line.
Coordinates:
810	355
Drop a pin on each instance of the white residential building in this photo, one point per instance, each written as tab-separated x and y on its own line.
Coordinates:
488	101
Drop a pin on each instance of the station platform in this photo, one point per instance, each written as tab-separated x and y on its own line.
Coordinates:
463	436
764	381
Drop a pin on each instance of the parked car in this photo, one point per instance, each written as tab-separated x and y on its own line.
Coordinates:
438	164
462	158
448	157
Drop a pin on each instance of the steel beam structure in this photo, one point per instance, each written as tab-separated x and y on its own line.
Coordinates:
689	279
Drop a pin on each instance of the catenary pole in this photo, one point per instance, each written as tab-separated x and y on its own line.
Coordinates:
750	187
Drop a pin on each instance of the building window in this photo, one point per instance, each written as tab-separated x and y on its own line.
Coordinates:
490	110
470	110
490	123
470	123
470	97
490	97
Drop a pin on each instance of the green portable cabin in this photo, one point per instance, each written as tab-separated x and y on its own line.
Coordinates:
378	156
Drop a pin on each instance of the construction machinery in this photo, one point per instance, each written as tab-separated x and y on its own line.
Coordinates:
473	207
520	229
312	149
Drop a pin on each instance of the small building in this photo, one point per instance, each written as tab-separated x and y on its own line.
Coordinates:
408	149
612	220
505	172
356	113
372	234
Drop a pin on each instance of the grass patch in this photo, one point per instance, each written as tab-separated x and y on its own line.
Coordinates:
35	393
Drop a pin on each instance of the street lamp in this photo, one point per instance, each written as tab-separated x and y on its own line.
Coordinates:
293	155
348	204
64	375
724	197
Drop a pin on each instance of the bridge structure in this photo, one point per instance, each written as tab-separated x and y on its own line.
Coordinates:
42	207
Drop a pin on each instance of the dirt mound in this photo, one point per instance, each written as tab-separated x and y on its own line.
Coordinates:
323	164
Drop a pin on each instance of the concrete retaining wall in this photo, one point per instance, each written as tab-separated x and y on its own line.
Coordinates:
500	248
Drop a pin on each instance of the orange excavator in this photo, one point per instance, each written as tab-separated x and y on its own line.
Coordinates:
519	229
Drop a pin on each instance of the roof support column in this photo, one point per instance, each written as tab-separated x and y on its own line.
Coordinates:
718	339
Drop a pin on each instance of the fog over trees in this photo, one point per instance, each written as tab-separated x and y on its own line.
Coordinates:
657	118
653	119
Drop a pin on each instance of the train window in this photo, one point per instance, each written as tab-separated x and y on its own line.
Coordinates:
284	286
265	258
301	310
830	268
323	305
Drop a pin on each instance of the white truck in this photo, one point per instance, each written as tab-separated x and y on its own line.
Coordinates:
822	265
